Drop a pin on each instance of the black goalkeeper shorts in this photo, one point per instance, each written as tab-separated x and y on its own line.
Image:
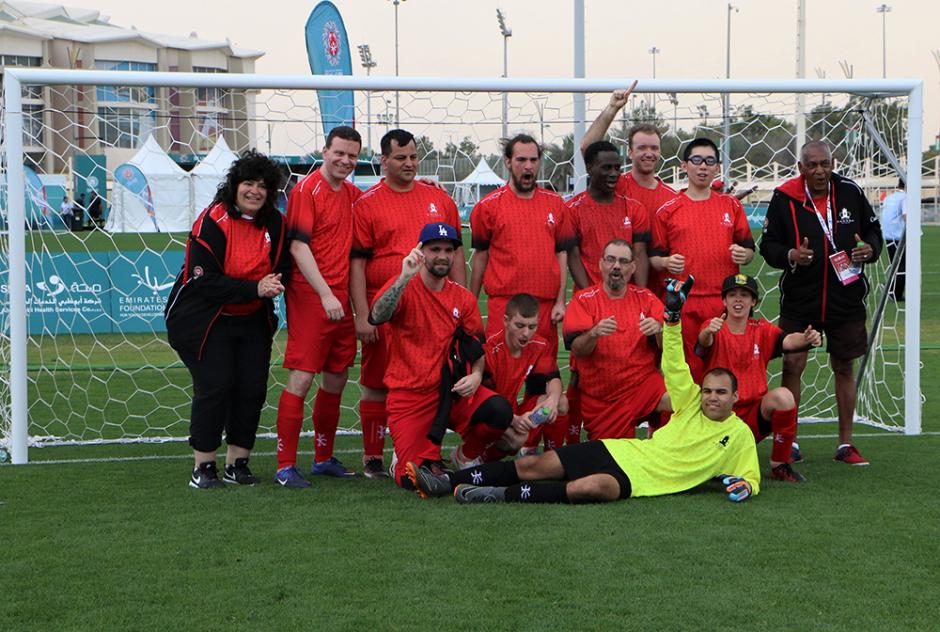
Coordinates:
592	457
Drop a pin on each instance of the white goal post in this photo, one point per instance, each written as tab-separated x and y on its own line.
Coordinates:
14	402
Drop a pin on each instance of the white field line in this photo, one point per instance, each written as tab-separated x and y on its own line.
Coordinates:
184	457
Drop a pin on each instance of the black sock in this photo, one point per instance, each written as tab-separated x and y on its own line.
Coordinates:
497	473
537	492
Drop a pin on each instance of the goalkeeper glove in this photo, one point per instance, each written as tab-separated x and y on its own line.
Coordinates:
738	489
676	294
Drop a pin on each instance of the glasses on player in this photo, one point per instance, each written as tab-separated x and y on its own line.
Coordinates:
611	260
696	160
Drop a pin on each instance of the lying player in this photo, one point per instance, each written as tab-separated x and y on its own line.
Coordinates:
748	344
703	440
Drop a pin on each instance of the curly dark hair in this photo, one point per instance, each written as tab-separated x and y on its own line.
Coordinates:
251	165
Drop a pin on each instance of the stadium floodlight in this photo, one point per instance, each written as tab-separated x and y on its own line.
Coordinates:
507	33
365	54
884	10
83	351
653	51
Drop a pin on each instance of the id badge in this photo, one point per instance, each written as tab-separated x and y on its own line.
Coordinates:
847	271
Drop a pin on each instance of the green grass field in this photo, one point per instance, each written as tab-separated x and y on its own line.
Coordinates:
110	537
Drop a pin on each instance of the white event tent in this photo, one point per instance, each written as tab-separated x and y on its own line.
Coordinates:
169	189
481	181
209	173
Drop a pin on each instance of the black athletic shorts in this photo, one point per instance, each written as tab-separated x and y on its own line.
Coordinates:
845	341
592	457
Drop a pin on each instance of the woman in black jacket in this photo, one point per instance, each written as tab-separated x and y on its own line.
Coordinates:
220	315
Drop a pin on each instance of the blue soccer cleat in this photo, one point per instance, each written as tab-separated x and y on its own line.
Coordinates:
331	467
290	477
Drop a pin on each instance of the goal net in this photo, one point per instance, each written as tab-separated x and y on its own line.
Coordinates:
143	158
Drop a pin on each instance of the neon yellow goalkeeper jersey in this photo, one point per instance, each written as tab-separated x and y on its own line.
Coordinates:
691	448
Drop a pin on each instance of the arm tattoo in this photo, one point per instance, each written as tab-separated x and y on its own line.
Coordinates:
385	305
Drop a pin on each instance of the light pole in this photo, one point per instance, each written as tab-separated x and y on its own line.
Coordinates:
726	105
397	110
368	63
884	10
674	99
507	33
653	51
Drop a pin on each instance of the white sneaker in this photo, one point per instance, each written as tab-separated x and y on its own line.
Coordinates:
459	462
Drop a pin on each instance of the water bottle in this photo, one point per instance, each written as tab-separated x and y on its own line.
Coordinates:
540	415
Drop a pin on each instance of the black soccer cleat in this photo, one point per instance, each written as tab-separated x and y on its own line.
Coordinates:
426	482
784	472
238	473
466	494
205	476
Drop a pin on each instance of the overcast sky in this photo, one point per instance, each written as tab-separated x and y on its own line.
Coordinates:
461	37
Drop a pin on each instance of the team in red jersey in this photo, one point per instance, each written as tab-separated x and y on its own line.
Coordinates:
746	345
386	219
320	334
614	331
517	356
520	242
426	317
704	234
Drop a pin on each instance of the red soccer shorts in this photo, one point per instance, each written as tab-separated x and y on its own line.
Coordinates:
314	342
749	413
374	360
496	308
410	415
618	419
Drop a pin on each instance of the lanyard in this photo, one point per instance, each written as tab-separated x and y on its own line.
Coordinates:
825	225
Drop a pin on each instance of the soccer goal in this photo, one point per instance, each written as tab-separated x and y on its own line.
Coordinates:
82	342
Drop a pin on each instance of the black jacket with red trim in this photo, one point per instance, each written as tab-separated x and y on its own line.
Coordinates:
814	293
202	288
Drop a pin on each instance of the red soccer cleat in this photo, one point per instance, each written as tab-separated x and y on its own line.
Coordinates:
848	454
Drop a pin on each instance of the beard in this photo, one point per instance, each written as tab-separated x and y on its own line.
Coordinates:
439	269
616	283
523	185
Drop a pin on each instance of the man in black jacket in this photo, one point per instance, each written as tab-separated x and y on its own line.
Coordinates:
821	230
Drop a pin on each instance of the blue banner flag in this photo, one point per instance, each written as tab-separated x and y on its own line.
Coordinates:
133	179
328	54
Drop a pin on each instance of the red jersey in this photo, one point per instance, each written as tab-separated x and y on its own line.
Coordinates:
593	224
702	231
247	252
386	225
522	237
421	329
651	199
624	359
747	356
508	373
322	218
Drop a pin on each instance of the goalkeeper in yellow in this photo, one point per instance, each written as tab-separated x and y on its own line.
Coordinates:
703	440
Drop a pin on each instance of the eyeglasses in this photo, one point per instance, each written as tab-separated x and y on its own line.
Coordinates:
696	160
611	260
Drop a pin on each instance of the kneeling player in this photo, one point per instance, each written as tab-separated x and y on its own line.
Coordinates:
748	345
517	355
424	315
703	440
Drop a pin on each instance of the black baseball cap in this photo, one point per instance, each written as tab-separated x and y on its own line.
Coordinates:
440	230
749	283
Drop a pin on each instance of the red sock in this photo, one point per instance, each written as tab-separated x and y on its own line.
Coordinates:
325	421
290	419
373	420
555	432
573	433
783	425
493	453
535	435
479	437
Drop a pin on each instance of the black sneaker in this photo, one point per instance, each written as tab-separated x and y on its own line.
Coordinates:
238	473
374	468
426	482
784	472
468	494
205	476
